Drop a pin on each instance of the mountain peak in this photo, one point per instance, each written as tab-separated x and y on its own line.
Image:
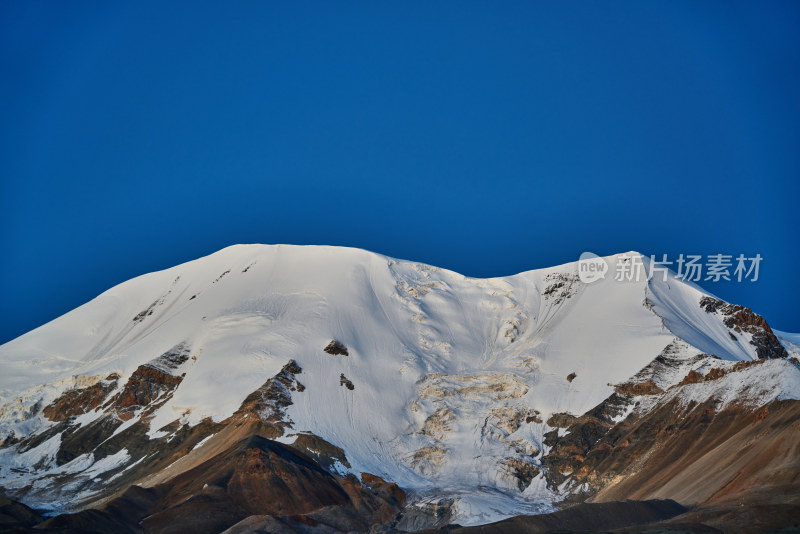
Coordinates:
456	381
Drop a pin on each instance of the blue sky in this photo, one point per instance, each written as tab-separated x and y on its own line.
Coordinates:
484	137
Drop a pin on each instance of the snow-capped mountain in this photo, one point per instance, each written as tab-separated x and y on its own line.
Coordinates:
494	393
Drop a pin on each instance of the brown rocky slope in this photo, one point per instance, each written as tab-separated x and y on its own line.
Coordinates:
256	477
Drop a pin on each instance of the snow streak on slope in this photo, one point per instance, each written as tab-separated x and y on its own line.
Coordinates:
677	301
453	378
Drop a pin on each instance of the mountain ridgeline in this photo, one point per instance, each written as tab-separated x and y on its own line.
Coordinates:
324	389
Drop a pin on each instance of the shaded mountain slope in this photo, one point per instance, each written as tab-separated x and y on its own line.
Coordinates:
256	476
583	518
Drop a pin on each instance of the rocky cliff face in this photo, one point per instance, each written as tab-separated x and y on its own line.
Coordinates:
253	485
741	320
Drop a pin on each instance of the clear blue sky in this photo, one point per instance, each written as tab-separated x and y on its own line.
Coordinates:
484	137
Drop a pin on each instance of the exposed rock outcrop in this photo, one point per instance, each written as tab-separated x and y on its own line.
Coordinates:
78	401
740	319
647	387
346	382
324	453
336	347
269	402
522	471
151	384
428	515
715	373
560	287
